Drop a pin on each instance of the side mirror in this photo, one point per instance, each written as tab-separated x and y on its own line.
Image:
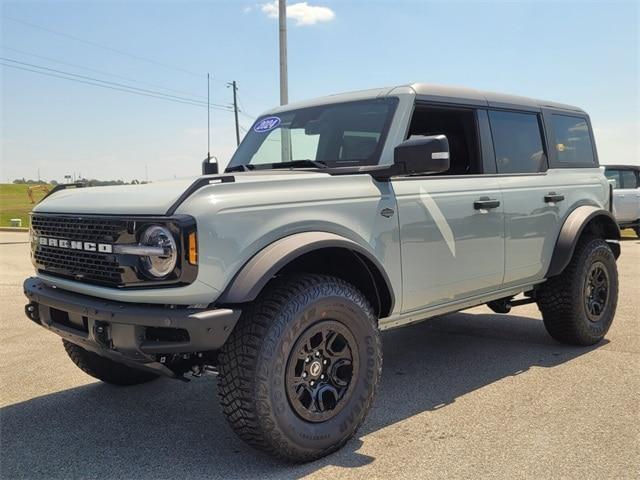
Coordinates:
210	166
422	154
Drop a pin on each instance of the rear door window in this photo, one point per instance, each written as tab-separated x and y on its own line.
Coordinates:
517	142
628	179
572	141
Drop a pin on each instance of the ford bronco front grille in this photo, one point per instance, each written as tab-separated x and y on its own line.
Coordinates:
87	266
85	248
90	266
86	229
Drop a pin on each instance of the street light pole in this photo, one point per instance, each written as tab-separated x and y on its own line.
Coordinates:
282	21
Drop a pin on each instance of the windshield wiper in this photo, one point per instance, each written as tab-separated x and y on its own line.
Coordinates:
299	163
239	168
306	163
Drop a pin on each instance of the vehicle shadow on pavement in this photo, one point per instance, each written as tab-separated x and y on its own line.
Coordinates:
169	429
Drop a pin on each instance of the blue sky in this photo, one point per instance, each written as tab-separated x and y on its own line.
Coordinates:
579	53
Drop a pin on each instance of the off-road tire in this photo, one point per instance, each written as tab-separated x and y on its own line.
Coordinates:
637	230
253	366
562	300
104	369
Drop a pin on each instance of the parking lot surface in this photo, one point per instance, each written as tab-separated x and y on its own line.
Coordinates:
468	395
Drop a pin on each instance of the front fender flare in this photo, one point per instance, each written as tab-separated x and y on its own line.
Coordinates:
256	273
571	231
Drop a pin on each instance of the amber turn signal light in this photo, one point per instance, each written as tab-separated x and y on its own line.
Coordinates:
193	248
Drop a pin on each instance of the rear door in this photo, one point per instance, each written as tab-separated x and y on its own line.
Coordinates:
534	199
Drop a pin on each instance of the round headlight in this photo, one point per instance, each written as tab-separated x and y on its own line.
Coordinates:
159	266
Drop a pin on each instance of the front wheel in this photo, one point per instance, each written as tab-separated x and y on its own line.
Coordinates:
300	370
578	305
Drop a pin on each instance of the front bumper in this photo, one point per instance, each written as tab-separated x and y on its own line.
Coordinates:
141	336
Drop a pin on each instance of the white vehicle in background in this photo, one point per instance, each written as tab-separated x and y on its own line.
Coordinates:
626	194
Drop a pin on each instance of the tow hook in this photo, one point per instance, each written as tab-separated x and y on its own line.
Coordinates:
102	334
32	311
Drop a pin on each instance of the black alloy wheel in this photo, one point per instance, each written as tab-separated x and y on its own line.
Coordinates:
596	291
320	369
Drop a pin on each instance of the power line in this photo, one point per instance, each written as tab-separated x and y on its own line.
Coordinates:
121	85
99	45
243	111
18	67
250	117
116	84
159	96
102	72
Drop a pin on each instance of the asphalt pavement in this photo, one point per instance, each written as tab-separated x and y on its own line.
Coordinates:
468	395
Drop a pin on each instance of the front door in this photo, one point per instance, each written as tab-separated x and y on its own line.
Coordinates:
451	224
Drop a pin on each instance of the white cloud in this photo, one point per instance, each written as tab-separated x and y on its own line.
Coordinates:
302	13
247	9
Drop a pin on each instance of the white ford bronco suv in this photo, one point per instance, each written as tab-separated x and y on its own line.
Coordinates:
335	219
625	180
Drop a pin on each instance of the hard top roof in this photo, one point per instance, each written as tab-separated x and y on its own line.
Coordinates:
434	93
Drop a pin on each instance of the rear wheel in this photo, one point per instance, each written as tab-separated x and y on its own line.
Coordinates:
104	369
299	372
578	305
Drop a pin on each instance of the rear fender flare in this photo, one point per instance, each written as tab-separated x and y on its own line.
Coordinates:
572	229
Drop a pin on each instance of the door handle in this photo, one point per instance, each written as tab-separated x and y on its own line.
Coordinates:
485	203
553	197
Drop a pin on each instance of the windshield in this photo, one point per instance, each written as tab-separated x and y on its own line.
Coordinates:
337	135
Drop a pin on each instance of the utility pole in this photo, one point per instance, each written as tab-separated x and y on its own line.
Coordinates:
285	140
235	109
282	21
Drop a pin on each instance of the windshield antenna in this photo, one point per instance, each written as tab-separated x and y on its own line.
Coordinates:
208	121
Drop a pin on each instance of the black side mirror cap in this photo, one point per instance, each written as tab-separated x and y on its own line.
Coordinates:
422	154
210	167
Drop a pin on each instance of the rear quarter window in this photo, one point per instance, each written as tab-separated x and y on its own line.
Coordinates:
573	145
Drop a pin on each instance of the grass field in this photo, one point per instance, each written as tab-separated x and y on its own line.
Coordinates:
15	203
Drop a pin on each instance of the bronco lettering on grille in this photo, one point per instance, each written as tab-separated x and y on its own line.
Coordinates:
75	245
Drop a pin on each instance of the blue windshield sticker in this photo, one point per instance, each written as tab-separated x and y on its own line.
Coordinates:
266	124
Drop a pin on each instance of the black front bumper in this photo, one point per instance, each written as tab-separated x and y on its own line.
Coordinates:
141	336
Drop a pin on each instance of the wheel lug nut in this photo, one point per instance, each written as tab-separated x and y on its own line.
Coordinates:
312	383
317	354
307	360
322	377
324	362
304	374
